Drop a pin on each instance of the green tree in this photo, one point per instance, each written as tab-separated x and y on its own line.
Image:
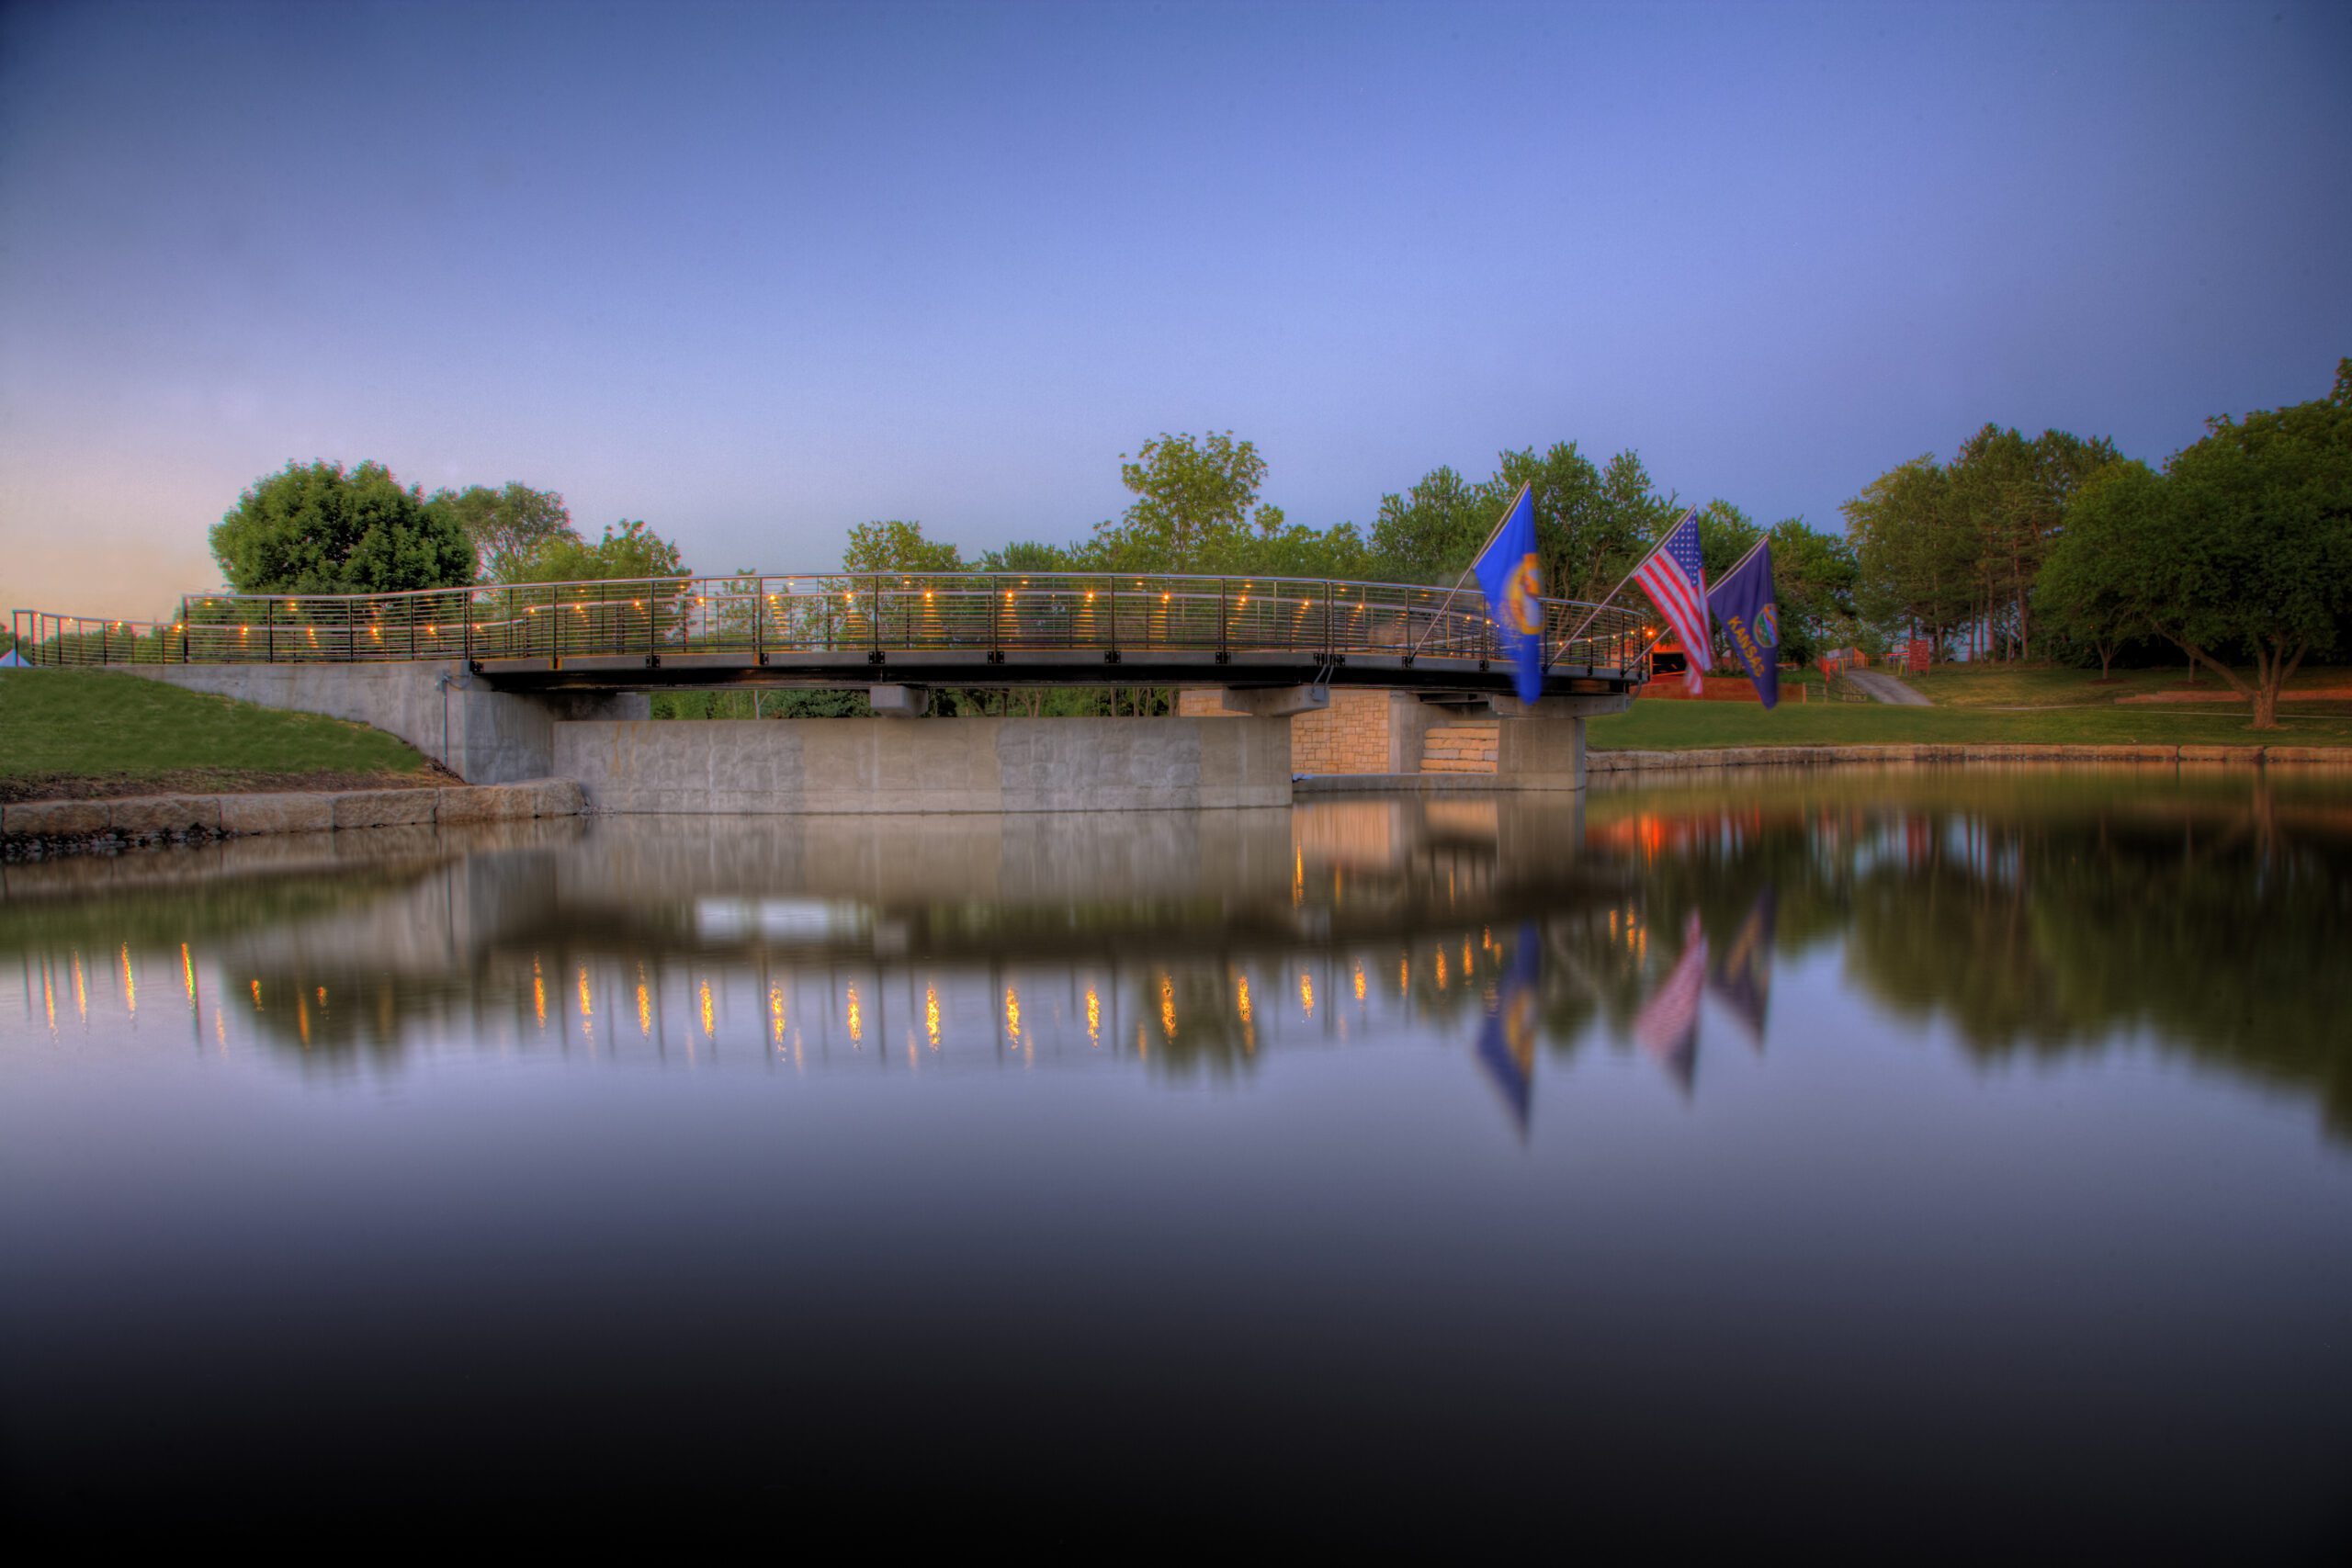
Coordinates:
2008	495
1196	500
1915	557
629	550
1814	575
320	528
508	526
2250	545
1429	532
1027	555
2093	588
897	545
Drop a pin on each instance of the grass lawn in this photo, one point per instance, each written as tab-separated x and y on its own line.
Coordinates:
2047	686
93	732
1679	726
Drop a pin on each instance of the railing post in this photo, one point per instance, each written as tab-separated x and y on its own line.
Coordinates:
759	621
873	616
270	631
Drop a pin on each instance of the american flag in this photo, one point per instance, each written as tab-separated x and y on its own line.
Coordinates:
1668	1025
1676	584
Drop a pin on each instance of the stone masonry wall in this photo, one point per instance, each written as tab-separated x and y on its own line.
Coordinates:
1349	737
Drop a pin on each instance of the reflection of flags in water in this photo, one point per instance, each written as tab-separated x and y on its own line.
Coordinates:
1668	1025
1742	978
1507	1045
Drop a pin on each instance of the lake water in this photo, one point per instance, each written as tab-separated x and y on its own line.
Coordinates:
1920	1161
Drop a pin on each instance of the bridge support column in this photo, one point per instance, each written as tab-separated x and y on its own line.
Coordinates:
1540	746
898	702
1275	701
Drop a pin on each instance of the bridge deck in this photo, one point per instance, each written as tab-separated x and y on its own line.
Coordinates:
941	628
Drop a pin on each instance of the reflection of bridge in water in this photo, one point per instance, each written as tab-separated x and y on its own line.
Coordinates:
901	944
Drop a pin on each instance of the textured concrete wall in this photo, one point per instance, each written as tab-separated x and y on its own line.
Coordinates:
1539	753
860	766
481	735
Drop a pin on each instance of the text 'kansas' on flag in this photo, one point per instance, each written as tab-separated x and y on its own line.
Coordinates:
1676	583
1750	614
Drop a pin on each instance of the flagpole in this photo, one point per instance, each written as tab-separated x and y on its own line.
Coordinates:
1622	581
1761	541
1466	571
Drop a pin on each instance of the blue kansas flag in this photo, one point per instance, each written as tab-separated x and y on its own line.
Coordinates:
1506	1042
1513	583
1745	609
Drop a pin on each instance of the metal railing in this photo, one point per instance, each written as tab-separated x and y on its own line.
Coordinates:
849	615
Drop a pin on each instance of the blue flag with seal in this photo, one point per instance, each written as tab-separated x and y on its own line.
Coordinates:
1745	608
1512	580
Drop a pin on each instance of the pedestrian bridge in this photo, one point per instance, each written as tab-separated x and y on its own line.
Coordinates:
869	628
503	684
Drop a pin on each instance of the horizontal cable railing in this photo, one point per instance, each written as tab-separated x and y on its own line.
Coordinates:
851	616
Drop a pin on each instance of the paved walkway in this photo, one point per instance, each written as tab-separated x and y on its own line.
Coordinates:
1886	689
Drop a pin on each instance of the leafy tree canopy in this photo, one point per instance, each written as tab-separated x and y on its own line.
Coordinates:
630	549
897	545
507	525
2243	542
1196	505
319	528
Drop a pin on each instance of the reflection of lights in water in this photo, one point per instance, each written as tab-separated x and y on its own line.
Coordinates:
587	1010
1359	980
1468	968
1241	995
81	991
1440	969
1298	876
709	1024
49	995
1306	994
776	1014
303	1017
856	1019
1404	974
538	993
130	984
256	996
1093	1018
322	997
644	1010
931	1015
1168	1007
1013	1014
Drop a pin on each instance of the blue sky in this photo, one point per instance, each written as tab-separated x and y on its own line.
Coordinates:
756	273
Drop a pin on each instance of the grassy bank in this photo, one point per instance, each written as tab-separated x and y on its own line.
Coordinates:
2053	686
1677	727
93	732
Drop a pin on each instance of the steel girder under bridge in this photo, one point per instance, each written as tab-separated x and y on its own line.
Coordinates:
867	628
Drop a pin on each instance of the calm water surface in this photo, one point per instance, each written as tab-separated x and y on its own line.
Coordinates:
1935	1161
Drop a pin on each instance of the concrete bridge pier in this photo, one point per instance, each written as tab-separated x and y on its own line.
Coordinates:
481	734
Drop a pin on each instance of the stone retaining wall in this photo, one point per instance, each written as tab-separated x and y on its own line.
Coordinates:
167	817
1819	756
